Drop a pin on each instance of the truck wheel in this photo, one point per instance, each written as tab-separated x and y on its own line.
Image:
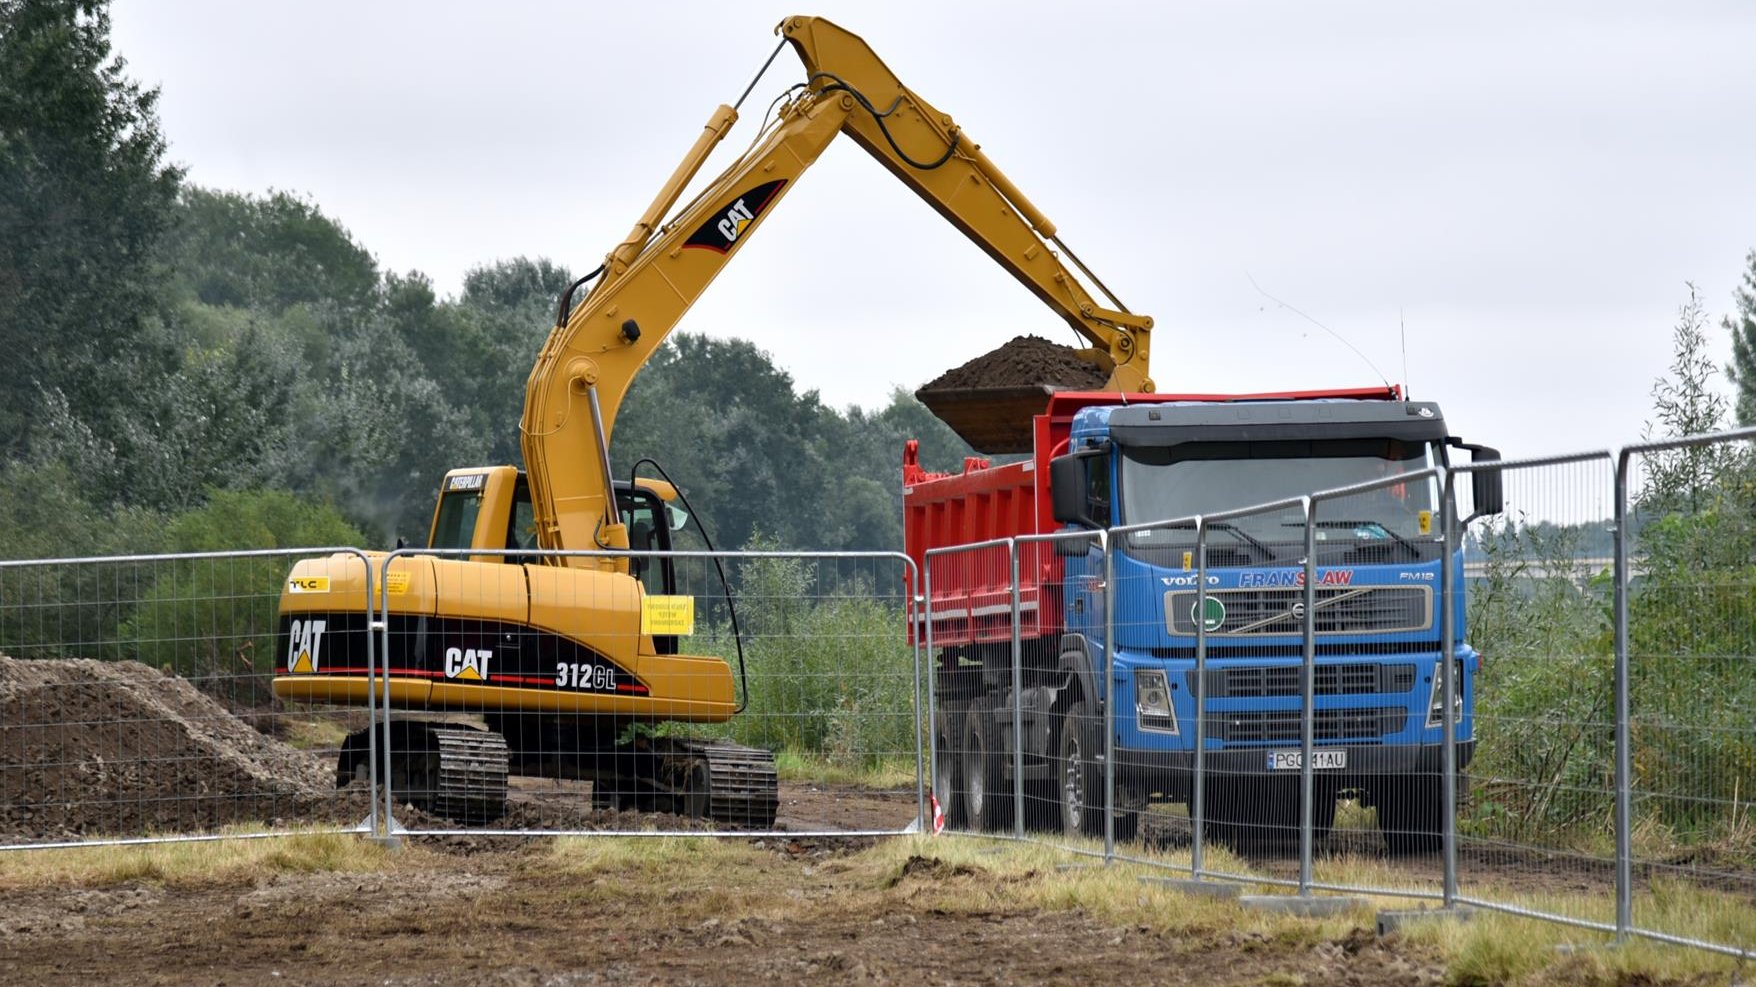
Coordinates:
1080	790
1411	814
948	766
987	800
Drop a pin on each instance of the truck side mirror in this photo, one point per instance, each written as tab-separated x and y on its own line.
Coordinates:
1067	493
1485	485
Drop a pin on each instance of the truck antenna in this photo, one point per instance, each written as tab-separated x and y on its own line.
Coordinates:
1402	328
1321	326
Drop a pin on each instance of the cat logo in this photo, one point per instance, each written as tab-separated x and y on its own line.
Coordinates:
467	664
720	232
736	219
304	645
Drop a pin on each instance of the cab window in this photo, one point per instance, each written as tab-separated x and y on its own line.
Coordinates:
456	524
644	516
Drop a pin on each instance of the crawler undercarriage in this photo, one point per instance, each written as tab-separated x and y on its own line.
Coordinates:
459	771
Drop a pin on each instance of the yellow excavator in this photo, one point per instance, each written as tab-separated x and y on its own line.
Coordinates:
550	651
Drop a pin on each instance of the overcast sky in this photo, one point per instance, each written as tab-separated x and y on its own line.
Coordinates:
1527	190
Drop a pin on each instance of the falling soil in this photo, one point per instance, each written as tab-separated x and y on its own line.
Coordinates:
1025	361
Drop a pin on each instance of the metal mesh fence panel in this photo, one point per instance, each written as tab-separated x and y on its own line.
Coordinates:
1536	820
1061	673
1378	610
711	692
1690	638
968	634
138	696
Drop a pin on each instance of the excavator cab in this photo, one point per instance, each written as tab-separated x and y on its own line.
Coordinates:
490	508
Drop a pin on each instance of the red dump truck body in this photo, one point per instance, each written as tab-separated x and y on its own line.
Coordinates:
971	591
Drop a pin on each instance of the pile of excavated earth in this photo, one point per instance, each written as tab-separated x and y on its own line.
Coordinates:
1024	362
90	747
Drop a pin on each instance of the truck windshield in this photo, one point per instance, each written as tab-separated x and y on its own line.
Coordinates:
1204	477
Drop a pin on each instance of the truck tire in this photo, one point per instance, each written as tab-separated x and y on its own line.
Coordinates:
948	765
1411	814
1079	786
987	800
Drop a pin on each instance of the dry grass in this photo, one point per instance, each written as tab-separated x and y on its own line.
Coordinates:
703	879
188	863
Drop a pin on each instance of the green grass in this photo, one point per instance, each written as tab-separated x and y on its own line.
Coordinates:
887	774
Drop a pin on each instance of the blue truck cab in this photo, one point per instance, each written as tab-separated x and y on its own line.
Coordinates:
1378	618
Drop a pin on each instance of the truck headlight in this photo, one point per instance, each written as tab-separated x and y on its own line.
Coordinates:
1436	701
1152	701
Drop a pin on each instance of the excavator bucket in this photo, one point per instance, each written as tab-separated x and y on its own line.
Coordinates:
993	420
990	401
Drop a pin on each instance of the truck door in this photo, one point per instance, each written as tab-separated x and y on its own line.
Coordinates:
1087	573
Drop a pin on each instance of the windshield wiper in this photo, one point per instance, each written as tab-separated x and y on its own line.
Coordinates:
1244	536
1377	525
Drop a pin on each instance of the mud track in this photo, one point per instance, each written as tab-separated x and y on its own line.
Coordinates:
772	912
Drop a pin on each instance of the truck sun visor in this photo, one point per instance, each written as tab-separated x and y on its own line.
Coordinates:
1165	425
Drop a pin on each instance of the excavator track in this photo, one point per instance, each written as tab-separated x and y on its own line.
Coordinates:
702	779
471	775
743	788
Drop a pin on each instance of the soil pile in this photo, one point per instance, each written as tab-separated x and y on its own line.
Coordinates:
1024	362
97	747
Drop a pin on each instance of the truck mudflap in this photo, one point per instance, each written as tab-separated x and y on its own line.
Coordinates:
1168	772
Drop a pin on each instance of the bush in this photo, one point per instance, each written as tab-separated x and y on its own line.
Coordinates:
213	620
830	670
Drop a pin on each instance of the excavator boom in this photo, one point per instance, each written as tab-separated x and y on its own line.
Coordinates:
649	281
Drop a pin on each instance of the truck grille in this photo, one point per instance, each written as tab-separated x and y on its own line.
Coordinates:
1360	679
1282	726
1340	610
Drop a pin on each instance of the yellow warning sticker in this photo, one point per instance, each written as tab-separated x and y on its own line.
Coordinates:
1188	559
667	615
1425	520
396	583
308	584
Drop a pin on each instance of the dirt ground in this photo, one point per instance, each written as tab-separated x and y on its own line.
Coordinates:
779	911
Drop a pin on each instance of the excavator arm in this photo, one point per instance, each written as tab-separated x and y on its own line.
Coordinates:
649	281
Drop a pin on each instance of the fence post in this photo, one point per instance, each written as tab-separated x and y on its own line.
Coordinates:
377	827
1109	697
1448	592
1624	773
1197	796
382	627
1017	697
1308	688
923	820
932	674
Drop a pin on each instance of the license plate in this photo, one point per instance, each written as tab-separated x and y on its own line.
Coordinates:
1321	760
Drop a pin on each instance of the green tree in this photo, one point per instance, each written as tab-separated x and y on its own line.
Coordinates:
1685	402
84	197
1742	328
265	253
